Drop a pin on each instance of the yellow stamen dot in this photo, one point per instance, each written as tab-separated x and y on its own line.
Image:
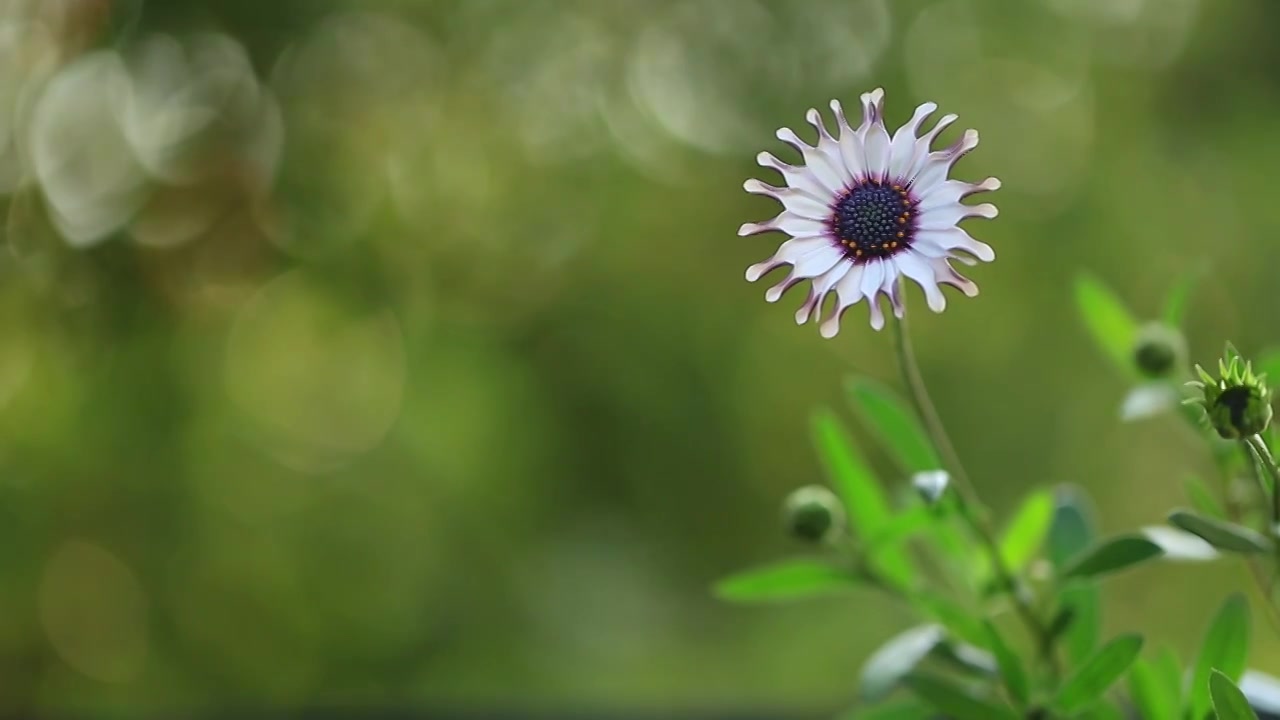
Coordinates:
902	220
902	234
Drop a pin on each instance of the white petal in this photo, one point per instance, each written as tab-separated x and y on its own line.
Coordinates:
815	263
790	252
924	146
797	201
848	293
822	285
851	151
877	316
902	148
947	275
941	243
875	137
796	177
919	270
950	215
828	151
936	166
815	160
873	278
787	222
953	191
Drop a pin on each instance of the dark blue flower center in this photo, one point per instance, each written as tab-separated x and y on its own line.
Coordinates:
873	219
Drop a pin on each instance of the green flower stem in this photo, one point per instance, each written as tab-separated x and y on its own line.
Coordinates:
1263	457
970	508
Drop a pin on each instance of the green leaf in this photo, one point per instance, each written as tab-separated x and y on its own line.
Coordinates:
1114	555
1228	702
1221	534
1225	648
1011	670
1026	532
1072	530
1150	693
896	659
1201	498
788	580
960	622
1175	307
966	658
863	497
894	424
1108	321
1097	674
900	528
954	702
1082	601
1168	670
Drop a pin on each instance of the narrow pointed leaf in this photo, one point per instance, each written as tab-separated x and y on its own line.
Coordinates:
959	621
954	702
1108	321
790	580
900	528
1223	535
1026	532
1225	648
1098	673
1071	531
1228	702
863	497
894	424
1011	670
1149	692
1081	600
1168	670
896	659
1114	555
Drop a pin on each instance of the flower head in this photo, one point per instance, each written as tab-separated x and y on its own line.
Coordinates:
1237	403
1158	350
866	208
813	514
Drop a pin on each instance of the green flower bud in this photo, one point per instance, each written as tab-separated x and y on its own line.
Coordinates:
1237	403
813	514
1158	350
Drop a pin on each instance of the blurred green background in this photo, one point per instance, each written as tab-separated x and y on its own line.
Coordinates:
397	353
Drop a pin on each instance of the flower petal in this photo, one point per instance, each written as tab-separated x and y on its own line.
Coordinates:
828	150
950	215
787	222
918	268
875	138
822	285
953	191
944	243
815	160
797	201
936	166
796	177
902	149
855	159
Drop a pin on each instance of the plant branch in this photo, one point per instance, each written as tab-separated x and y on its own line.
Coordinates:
970	508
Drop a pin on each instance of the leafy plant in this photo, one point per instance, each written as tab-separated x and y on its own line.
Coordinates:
1012	619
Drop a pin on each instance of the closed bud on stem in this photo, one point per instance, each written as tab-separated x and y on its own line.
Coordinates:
814	514
1237	403
1158	350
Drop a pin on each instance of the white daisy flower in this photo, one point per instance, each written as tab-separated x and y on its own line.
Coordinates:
865	209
